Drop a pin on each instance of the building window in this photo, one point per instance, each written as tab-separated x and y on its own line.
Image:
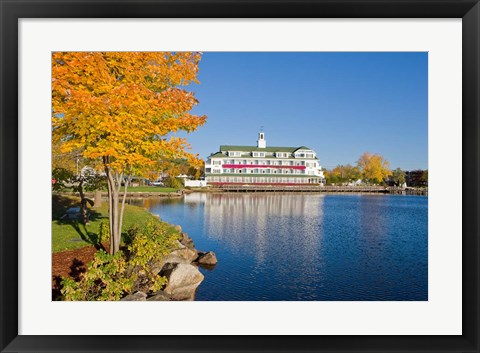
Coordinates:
217	162
259	154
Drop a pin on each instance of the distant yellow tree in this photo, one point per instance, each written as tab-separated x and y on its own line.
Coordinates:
373	167
345	172
122	108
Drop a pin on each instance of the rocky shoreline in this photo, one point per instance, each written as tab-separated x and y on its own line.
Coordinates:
180	268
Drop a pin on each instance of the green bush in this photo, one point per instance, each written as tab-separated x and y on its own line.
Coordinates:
104	279
134	268
172	182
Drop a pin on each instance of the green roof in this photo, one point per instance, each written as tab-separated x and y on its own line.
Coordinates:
255	148
302	148
218	154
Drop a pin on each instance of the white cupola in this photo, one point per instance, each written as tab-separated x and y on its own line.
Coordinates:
261	142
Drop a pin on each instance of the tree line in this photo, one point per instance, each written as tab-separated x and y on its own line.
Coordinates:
375	169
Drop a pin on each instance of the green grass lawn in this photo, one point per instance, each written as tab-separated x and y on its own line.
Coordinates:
72	234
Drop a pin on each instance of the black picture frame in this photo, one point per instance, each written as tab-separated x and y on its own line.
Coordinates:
12	11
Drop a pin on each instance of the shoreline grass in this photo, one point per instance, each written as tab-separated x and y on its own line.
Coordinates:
73	234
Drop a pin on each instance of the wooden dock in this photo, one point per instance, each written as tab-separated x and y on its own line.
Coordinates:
322	189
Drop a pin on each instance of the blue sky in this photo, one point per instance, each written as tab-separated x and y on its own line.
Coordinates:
339	104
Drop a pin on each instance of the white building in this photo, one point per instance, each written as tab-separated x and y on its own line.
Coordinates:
263	165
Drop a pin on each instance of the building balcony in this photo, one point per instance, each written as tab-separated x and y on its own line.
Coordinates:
262	166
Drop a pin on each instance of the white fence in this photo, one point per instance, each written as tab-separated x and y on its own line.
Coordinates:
196	183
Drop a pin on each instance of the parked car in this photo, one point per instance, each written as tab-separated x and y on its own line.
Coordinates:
157	183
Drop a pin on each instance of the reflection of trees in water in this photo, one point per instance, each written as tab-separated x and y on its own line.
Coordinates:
372	217
153	202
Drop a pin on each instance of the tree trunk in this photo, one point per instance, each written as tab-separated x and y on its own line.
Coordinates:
115	215
97	199
127	182
116	231
111	188
83	203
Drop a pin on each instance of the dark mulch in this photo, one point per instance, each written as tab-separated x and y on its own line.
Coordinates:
70	263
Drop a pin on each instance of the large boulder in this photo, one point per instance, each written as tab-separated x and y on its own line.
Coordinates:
137	297
182	256
207	258
183	280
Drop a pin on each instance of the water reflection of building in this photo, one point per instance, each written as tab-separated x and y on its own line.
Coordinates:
274	223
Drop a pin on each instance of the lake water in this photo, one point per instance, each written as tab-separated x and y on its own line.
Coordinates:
306	247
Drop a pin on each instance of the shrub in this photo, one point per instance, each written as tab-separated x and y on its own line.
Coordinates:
104	279
172	182
148	246
134	268
103	232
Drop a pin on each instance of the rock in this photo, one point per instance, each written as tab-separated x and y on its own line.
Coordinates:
137	297
183	280
159	296
179	245
191	246
207	258
182	256
187	241
156	267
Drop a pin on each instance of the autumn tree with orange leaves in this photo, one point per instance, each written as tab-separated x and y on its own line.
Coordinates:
121	108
